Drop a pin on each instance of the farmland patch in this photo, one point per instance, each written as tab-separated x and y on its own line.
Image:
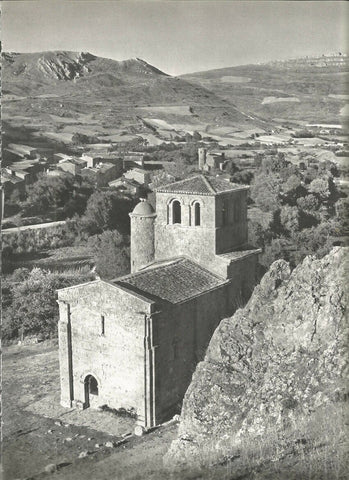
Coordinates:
268	100
233	79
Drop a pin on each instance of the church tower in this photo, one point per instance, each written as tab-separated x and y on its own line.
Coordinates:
142	235
200	217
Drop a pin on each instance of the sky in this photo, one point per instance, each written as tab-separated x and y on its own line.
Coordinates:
177	36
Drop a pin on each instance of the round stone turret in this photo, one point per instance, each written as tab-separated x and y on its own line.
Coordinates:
142	235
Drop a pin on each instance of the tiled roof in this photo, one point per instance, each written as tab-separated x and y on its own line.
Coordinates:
173	282
201	185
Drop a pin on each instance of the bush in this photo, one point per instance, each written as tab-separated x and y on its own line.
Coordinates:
112	257
33	309
106	210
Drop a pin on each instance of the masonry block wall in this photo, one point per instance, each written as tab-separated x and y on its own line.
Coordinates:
231	220
182	334
243	278
142	241
223	225
173	240
116	357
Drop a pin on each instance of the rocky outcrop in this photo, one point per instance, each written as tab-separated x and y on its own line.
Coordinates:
274	365
64	65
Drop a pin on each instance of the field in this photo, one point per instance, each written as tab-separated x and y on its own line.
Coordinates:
295	91
64	259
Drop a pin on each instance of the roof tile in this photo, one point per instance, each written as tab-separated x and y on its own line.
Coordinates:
172	282
200	185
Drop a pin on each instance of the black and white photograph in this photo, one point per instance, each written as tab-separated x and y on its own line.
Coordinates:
174	240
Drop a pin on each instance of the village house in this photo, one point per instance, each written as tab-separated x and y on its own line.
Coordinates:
59	157
133	159
23	150
140	175
133	342
74	165
210	160
91	160
103	173
12	183
127	186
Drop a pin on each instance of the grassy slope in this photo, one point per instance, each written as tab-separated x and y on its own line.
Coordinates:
114	90
248	85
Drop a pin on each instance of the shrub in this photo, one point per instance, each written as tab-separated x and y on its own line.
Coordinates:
112	257
33	308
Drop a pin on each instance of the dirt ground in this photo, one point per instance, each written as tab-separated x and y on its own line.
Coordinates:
38	432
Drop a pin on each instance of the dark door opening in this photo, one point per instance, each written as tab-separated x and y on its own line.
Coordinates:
91	388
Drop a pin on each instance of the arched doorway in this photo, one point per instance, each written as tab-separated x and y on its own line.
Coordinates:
91	390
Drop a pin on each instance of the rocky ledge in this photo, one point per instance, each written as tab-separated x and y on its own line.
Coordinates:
277	366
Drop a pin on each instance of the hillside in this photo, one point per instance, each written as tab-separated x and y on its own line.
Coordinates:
119	93
306	89
274	382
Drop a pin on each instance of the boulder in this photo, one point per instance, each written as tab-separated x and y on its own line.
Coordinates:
50	468
84	454
277	368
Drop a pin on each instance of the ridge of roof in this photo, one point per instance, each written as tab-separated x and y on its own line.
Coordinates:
210	187
200	185
174	281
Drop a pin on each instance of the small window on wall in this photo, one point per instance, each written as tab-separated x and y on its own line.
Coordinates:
197	214
102	325
237	210
225	214
176	212
175	349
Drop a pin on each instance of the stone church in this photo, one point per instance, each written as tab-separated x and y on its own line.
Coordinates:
133	342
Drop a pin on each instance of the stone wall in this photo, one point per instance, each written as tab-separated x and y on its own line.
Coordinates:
223	226
142	241
231	232
115	359
181	334
197	242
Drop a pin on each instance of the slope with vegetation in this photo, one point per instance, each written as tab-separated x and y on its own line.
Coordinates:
305	90
49	86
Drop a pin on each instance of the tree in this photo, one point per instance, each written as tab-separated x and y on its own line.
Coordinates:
106	210
320	187
231	168
244	176
112	258
265	192
293	189
289	218
274	163
309	203
49	192
33	308
273	251
196	136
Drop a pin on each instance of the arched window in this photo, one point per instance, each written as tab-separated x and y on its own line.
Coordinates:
197	214
176	212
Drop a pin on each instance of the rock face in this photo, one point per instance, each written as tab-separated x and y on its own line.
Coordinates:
272	366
